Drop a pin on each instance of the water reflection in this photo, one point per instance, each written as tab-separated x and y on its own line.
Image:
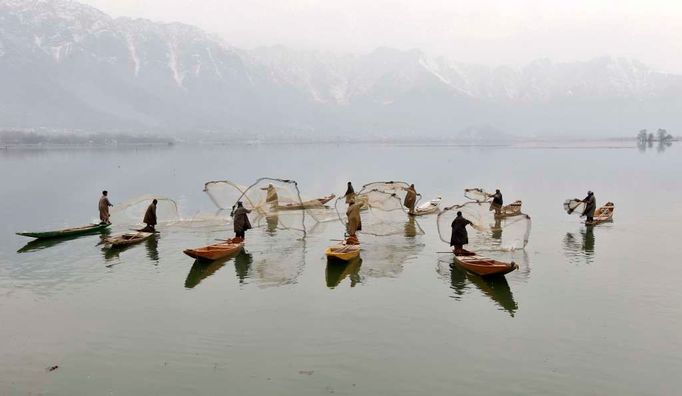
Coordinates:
337	271
661	145
411	227
242	265
386	257
495	288
579	247
152	247
272	222
40	244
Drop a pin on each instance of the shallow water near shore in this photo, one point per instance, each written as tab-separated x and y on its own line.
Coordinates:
590	311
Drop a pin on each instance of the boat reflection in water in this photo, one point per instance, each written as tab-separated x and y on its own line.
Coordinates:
203	269
579	247
338	270
40	244
152	246
461	281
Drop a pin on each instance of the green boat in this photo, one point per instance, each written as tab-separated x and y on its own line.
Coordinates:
67	232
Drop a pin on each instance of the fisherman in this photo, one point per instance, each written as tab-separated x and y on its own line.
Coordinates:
459	236
271	196
150	218
241	222
354	219
350	193
410	199
497	202
104	205
590	206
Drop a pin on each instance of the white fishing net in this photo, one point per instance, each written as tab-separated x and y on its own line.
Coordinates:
383	213
132	211
476	194
574	206
489	232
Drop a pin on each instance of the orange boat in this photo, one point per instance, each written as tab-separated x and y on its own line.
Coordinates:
484	266
215	252
603	214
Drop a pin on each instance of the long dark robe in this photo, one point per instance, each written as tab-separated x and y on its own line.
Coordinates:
459	232
354	219
241	220
497	202
150	215
410	199
104	205
590	205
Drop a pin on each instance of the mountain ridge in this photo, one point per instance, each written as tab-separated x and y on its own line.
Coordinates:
68	65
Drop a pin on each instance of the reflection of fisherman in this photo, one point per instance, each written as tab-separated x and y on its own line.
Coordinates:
350	193
497	202
354	219
150	218
104	205
241	222
590	206
459	236
410	199
271	196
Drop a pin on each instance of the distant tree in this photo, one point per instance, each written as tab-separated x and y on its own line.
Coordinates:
650	138
642	135
663	135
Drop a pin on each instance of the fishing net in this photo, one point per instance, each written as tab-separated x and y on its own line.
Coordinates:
274	203
132	211
476	194
383	214
399	188
574	206
224	193
388	257
489	232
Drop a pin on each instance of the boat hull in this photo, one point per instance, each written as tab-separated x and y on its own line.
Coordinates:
68	232
342	252
484	266
127	239
214	252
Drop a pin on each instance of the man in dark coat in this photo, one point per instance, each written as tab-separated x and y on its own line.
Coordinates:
497	202
150	217
241	222
104	205
410	199
590	206
459	236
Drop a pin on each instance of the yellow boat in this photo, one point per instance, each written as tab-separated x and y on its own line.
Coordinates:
342	252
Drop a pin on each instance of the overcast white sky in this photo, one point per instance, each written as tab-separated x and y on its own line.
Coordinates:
480	31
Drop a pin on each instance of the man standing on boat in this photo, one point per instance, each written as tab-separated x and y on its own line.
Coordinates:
459	236
271	196
410	199
104	205
590	207
241	222
350	193
497	202
354	219
150	218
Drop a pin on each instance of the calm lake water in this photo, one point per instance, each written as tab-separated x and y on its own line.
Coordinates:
589	312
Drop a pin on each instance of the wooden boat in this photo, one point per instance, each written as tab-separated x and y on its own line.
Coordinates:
484	266
603	214
430	207
513	209
312	204
342	252
215	252
129	238
67	232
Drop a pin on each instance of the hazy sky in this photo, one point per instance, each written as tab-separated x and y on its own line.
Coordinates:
481	31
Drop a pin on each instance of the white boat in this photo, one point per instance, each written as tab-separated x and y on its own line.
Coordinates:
428	207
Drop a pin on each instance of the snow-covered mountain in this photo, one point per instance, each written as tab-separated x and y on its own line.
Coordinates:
65	64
